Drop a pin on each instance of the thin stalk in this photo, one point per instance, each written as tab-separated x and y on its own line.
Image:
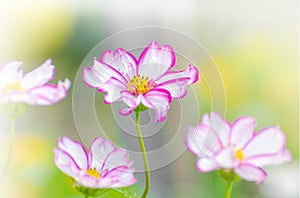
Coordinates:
145	159
228	189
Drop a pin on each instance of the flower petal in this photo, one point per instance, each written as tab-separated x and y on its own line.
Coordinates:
48	94
202	140
206	164
219	125
268	141
66	163
267	160
159	100
39	76
113	88
75	150
242	131
225	158
123	175
99	151
121	60
117	158
99	74
131	101
10	73
251	173
156	61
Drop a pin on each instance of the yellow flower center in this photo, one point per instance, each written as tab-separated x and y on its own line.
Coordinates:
139	85
93	172
239	154
14	87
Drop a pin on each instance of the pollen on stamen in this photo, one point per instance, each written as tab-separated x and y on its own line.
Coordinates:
93	172
139	85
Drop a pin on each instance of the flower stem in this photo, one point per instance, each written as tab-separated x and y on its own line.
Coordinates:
143	149
228	189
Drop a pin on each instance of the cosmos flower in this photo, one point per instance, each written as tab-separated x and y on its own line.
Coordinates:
30	88
102	166
148	81
221	145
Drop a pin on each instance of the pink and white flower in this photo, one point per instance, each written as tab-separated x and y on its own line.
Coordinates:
148	81
102	166
221	145
30	88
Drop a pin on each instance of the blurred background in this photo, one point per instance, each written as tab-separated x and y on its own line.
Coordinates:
253	43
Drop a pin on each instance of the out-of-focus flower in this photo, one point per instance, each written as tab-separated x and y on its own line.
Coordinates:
102	166
30	88
147	81
220	145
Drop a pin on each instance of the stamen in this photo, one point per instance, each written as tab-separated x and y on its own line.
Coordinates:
13	87
93	172
139	84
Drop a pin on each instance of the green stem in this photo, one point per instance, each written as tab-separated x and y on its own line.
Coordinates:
86	196
228	189
143	149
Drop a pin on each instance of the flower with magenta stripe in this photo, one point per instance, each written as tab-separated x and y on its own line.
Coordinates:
30	88
102	166
147	82
236	147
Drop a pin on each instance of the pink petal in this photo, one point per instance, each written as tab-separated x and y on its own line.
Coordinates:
159	100
99	74
176	82
116	159
242	131
226	158
99	151
219	125
267	160
202	140
131	101
121	60
207	164
124	176
66	163
10	73
113	88
251	173
155	60
39	76
268	141
48	94
75	150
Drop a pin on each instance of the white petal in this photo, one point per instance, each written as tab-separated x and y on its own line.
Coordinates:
267	160
99	151
242	131
39	76
113	88
10	73
220	126
117	158
268	141
66	163
226	158
202	140
121	60
75	150
251	173
207	164
99	74
159	100
156	61
48	94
